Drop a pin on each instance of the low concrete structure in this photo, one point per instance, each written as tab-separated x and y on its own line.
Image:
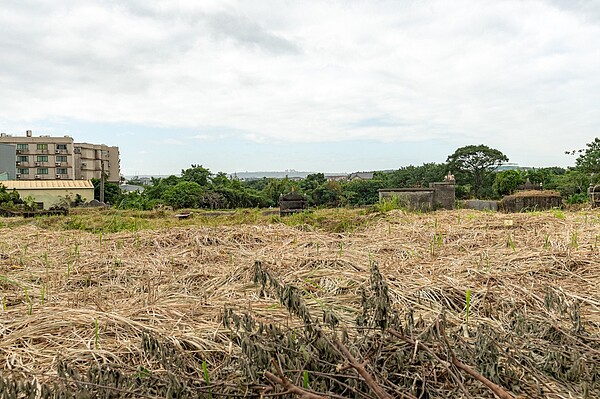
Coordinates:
480	205
439	195
531	201
594	193
292	203
49	193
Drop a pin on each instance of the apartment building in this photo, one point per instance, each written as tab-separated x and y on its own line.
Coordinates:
7	162
52	158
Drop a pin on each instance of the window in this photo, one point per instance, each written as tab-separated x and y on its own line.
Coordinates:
39	205
42	158
61	158
61	146
42	147
22	146
61	171
23	158
23	171
42	171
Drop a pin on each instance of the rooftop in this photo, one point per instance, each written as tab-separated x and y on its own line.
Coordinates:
46	184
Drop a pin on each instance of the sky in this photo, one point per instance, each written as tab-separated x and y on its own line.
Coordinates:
332	86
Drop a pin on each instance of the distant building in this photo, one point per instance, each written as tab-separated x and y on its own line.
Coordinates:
336	177
60	158
7	162
48	193
129	188
360	176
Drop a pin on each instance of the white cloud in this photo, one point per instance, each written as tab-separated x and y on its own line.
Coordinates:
519	75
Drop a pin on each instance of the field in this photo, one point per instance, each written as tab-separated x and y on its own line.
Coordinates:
338	303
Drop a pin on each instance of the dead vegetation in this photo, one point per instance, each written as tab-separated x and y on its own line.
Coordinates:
447	304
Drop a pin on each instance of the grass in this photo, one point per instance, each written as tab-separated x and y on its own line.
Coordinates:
143	272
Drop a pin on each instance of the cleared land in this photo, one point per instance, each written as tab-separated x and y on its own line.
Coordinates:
169	308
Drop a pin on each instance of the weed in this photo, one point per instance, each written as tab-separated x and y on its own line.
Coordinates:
574	240
558	213
305	380
510	243
96	334
468	304
29	302
206	377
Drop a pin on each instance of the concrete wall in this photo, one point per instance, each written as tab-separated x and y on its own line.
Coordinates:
444	195
520	203
7	160
438	196
480	205
414	199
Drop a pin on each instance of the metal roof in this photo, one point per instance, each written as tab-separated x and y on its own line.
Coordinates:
46	184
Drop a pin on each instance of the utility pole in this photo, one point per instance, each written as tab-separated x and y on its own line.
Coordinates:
101	178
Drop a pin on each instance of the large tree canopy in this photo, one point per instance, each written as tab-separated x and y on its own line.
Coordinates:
589	159
476	162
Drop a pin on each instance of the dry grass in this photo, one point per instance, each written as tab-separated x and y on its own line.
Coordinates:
79	299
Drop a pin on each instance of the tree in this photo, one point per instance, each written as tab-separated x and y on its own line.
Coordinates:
112	192
197	174
477	162
186	194
506	182
589	159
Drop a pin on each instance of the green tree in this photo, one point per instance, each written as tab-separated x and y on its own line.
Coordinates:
9	198
112	192
186	194
506	182
362	192
588	160
197	174
475	164
415	176
276	187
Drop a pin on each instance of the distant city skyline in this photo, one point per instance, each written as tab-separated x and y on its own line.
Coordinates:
314	85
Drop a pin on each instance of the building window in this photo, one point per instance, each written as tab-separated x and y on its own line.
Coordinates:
61	171
42	158
61	158
22	146
42	171
23	158
42	147
61	146
23	171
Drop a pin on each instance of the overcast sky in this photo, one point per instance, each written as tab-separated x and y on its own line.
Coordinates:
310	85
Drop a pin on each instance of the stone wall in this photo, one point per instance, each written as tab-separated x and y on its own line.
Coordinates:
531	201
480	205
438	196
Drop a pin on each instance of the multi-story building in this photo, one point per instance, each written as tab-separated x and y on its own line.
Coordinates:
51	158
7	162
91	159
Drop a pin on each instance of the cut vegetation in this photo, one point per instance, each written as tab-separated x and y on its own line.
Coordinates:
337	303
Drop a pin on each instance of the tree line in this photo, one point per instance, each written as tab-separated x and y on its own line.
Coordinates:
475	168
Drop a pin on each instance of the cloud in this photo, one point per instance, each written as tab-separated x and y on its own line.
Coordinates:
511	74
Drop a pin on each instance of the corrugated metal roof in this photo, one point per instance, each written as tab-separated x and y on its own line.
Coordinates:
46	184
